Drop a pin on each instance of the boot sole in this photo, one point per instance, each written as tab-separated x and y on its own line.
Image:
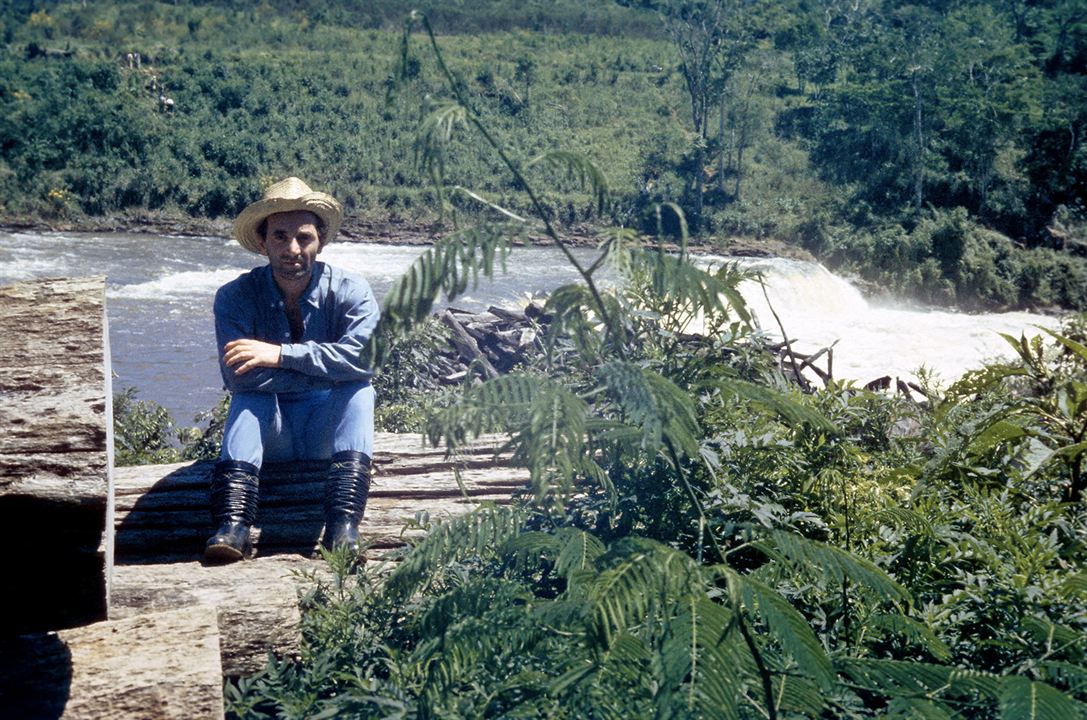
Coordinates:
222	553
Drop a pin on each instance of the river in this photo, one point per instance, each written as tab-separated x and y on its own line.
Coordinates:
160	290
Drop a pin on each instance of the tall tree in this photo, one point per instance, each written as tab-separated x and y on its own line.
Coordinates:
711	37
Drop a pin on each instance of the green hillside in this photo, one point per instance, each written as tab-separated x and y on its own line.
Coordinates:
934	149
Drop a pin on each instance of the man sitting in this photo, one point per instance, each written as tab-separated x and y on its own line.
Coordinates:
290	336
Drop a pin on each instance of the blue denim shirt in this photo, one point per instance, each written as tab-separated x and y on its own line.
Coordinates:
339	313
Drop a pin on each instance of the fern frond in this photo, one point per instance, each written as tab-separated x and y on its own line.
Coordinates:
902	678
1023	699
450	266
917	709
549	426
1071	677
579	551
699	670
580	168
476	534
785	625
780	404
434	134
911	520
911	630
1050	633
568	549
677	281
799	695
575	317
473	599
1074	586
820	560
639	577
650	401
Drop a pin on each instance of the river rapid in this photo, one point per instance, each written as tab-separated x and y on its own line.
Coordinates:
160	291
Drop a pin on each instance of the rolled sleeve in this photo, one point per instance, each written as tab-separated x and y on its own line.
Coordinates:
236	319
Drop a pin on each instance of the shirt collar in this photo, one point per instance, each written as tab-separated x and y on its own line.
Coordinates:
311	295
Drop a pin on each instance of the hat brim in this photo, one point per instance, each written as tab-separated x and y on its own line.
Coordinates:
323	206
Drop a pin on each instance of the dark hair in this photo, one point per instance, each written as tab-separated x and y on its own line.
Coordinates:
318	221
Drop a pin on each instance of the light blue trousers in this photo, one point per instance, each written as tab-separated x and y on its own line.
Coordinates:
269	427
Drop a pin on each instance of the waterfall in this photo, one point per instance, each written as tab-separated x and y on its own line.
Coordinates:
818	308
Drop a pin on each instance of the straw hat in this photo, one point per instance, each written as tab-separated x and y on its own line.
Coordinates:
287	195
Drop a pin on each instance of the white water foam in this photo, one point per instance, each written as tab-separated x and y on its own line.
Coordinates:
818	309
176	285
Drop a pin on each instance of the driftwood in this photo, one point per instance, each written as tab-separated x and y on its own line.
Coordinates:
54	464
162	522
161	665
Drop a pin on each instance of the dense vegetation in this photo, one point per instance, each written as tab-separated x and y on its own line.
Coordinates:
933	148
700	538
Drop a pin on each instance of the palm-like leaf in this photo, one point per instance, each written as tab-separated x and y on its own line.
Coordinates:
477	534
580	168
452	265
827	562
647	400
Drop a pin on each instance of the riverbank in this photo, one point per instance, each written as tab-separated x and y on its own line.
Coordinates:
393	231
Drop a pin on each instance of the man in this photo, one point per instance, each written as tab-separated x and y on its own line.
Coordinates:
290	336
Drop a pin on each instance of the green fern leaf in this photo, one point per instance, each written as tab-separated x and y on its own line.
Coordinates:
1023	699
820	560
700	676
476	534
1074	586
450	266
901	678
799	695
911	630
677	281
786	626
663	411
579	551
917	709
1071	677
580	168
780	404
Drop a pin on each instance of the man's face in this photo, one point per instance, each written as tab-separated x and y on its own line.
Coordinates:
291	243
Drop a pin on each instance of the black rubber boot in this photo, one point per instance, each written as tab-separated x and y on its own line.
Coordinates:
346	489
234	492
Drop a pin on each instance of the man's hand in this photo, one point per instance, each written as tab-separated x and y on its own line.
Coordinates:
244	355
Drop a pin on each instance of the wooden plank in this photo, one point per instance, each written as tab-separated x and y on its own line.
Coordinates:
162	522
55	439
164	508
162	665
257	602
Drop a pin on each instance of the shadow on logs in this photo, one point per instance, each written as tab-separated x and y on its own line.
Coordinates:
35	676
166	519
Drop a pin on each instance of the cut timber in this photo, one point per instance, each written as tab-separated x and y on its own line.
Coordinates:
256	601
162	523
161	665
55	438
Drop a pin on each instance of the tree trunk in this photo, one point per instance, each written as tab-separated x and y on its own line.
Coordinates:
919	144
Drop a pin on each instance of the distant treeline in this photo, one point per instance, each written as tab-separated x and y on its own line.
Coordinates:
935	149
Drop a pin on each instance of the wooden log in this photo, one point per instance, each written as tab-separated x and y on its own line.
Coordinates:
513	316
163	509
256	601
55	447
161	665
162	524
466	345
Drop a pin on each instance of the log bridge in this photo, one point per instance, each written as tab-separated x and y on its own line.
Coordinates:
111	611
